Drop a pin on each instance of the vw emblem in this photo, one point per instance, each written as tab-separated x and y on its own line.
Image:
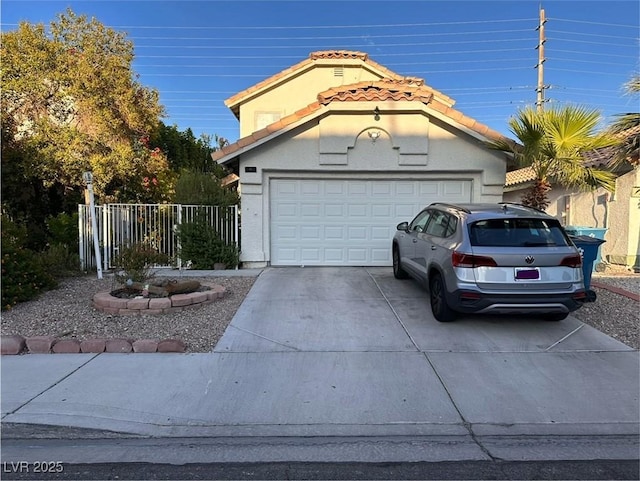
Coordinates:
529	259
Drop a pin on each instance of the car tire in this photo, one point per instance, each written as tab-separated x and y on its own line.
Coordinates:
556	317
398	271
437	295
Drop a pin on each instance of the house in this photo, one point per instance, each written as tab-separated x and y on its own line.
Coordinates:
618	213
336	150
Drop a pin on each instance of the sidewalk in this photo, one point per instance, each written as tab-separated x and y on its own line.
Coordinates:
336	365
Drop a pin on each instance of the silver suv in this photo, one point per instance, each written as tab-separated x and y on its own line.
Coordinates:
490	258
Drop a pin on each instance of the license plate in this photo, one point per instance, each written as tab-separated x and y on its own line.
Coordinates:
526	274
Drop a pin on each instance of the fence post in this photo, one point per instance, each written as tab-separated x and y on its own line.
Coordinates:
176	229
88	178
83	259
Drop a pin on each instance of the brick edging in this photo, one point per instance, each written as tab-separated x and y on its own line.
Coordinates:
105	302
16	344
616	290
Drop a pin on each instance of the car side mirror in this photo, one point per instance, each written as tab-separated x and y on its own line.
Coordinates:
403	226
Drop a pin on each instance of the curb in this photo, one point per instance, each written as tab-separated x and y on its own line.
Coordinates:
616	290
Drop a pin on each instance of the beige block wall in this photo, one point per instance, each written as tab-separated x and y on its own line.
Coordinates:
619	213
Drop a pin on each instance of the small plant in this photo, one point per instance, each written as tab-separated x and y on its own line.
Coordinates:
201	244
23	274
134	262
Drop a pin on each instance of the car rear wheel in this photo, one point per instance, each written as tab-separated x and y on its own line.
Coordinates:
398	271
441	310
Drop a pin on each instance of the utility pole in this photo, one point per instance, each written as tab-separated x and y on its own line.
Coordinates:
541	40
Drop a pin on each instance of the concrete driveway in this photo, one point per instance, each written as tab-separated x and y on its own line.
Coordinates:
355	346
353	357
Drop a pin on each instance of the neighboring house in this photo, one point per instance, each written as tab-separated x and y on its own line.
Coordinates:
336	150
619	213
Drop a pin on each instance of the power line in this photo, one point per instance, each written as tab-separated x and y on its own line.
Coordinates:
617	25
334	37
320	27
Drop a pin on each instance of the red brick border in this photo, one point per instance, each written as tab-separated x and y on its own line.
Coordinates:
105	302
616	290
15	345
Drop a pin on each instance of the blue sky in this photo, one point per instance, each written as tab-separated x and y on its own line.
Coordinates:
480	53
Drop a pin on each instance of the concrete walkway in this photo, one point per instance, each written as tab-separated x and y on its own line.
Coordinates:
344	364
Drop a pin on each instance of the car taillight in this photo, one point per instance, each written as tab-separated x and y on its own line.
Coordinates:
572	261
458	259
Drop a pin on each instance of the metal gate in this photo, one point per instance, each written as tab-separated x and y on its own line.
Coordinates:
155	224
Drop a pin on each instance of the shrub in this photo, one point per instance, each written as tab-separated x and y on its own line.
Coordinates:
23	274
135	262
201	244
63	229
60	261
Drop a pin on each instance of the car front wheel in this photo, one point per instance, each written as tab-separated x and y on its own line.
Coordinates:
437	290
398	271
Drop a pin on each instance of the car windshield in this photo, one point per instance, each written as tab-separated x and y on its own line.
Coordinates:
517	232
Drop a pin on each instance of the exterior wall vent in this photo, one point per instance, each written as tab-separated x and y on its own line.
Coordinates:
338	72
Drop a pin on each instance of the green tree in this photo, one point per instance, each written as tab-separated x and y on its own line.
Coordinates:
200	188
71	98
184	151
552	143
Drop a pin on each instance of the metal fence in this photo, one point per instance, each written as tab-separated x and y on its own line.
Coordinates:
155	224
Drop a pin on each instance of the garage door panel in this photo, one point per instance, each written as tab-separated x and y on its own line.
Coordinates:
429	189
380	233
381	210
357	233
334	233
357	188
334	210
347	222
310	232
357	210
406	188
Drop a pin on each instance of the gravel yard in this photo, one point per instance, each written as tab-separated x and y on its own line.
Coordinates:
615	315
67	313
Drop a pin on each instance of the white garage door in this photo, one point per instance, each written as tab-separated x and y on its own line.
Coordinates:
322	222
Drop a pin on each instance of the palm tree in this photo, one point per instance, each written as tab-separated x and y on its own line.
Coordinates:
552	144
627	127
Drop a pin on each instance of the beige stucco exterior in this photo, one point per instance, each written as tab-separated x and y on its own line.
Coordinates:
343	138
300	90
619	213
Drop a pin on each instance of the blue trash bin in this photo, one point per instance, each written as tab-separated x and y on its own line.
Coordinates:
589	248
593	232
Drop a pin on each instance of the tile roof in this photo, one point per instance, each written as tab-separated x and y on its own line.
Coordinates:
602	157
408	88
402	89
519	176
234	101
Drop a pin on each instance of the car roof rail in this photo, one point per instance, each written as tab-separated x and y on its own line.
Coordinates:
452	206
505	204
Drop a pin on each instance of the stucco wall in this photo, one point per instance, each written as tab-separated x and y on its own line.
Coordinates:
619	213
301	90
348	151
